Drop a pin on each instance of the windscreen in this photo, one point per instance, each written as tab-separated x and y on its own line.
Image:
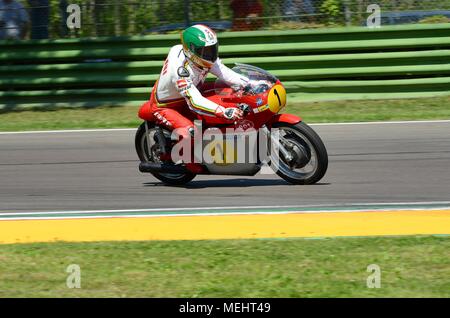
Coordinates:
260	79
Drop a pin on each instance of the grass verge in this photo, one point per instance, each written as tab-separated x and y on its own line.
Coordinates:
410	267
318	112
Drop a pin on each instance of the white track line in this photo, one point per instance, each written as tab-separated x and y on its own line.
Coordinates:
215	214
342	207
65	131
134	129
384	122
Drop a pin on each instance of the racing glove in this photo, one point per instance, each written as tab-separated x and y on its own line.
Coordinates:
230	113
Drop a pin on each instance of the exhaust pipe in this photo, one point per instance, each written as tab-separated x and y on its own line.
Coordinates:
149	167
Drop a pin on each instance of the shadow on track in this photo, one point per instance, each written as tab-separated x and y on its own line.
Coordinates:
227	183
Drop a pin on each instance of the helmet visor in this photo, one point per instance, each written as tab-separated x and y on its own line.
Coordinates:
208	53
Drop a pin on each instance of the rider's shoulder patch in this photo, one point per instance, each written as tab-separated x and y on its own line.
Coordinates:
183	72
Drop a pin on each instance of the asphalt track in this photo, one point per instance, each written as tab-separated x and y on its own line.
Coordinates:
97	170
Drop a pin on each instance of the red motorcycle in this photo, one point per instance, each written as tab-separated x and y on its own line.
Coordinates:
284	142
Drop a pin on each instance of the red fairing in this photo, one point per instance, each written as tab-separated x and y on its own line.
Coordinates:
285	118
145	112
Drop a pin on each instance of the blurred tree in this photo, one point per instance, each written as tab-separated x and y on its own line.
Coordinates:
333	9
129	17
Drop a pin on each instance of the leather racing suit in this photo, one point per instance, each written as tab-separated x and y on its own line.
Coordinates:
176	93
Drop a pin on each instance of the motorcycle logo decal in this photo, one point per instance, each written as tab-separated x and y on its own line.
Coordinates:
162	119
183	72
262	108
259	102
245	124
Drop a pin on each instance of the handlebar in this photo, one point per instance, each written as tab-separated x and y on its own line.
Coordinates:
246	109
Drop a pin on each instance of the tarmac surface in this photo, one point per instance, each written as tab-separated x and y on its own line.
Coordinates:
92	170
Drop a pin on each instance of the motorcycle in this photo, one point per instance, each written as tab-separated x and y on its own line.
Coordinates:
283	142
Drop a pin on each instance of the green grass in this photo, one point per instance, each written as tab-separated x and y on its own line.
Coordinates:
339	111
374	110
410	267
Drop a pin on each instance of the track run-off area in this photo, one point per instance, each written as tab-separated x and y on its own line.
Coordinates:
389	178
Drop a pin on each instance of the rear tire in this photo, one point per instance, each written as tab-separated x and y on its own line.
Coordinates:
144	155
319	149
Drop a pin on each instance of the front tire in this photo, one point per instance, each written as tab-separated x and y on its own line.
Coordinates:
310	161
145	155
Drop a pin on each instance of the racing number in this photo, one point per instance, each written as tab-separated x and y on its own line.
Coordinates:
278	96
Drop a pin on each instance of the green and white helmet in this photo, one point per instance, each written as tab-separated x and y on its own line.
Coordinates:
200	45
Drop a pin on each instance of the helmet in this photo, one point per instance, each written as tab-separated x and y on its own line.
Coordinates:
200	45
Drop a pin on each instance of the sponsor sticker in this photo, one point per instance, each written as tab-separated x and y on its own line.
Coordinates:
183	72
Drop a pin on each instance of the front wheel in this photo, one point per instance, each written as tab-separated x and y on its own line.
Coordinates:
304	159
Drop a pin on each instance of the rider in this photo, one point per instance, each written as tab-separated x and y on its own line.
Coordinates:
184	72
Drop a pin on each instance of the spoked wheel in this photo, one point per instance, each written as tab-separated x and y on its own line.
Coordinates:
305	159
149	150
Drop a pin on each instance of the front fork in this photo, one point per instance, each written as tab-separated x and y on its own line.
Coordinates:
277	142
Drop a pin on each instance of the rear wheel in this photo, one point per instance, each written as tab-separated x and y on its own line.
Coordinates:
305	160
150	151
